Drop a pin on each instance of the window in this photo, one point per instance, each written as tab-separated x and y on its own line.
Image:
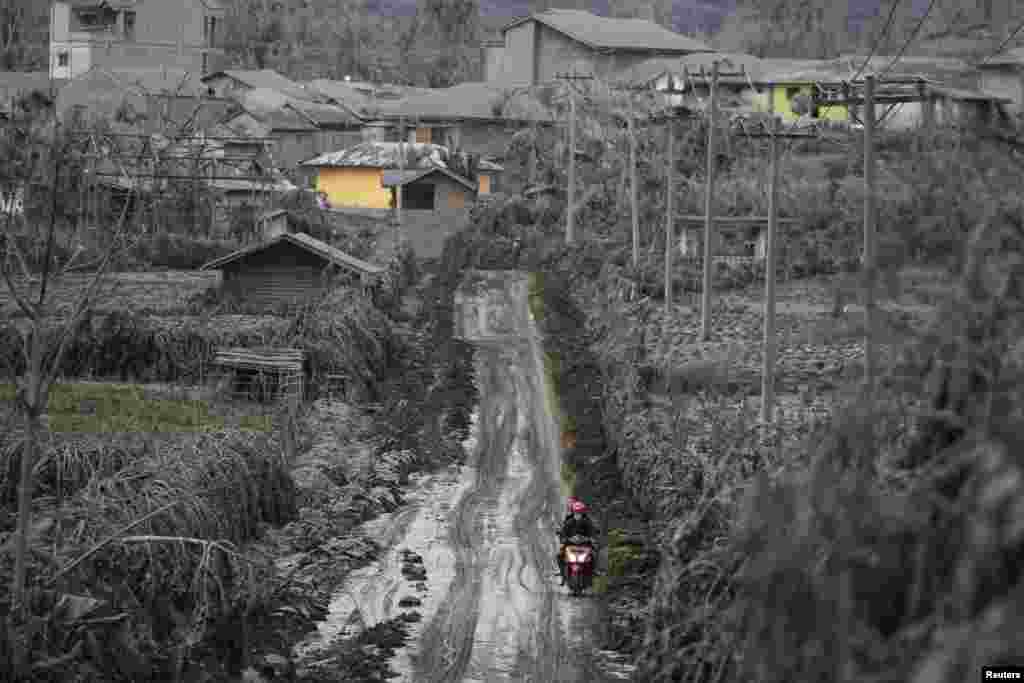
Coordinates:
62	59
129	25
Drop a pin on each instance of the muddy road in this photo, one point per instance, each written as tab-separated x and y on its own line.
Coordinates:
491	605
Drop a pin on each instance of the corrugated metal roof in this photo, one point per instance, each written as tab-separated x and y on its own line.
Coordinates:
382	155
622	34
311	244
395	178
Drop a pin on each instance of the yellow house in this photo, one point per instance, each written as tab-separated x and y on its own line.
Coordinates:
354	177
783	94
781	81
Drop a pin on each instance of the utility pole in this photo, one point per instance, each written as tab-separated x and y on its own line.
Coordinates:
912	90
670	162
869	236
570	212
771	242
669	180
705	298
634	208
768	356
398	187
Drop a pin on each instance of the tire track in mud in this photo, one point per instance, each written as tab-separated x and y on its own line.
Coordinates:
447	643
504	617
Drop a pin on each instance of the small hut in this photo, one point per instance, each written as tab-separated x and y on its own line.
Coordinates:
263	374
290	268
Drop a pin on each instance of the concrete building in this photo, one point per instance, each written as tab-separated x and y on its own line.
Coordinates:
538	47
135	34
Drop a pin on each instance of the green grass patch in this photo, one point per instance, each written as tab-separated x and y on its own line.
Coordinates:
536	296
621	553
568	479
120	408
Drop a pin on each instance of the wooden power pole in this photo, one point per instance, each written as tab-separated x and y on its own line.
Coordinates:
570	210
705	295
398	187
870	369
633	206
897	91
771	244
670	177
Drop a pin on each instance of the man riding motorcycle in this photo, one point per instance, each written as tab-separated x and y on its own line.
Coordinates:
576	523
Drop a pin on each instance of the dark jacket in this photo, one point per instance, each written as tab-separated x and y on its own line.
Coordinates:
583	527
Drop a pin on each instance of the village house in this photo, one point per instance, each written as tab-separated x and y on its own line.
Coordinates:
135	34
150	99
776	86
539	47
288	269
232	82
355	177
298	122
430	189
1003	75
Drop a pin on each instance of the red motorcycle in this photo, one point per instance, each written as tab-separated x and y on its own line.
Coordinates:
579	564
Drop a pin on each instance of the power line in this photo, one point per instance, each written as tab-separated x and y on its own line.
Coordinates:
913	35
1004	43
878	40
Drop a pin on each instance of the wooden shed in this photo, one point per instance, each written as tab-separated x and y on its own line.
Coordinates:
290	268
430	189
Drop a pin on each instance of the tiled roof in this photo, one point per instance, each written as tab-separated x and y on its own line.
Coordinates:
395	178
151	81
273	108
311	244
650	69
342	93
382	155
463	101
605	32
324	114
262	78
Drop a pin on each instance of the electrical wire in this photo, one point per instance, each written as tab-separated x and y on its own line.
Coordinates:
1004	43
913	35
878	40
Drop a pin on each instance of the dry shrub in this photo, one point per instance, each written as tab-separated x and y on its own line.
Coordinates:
173	576
902	534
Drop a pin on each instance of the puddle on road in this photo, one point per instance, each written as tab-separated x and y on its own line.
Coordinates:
374	591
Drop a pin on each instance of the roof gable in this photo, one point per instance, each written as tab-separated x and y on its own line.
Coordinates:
618	34
303	241
396	178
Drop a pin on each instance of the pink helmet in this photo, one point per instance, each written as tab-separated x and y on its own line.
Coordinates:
570	502
578	506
